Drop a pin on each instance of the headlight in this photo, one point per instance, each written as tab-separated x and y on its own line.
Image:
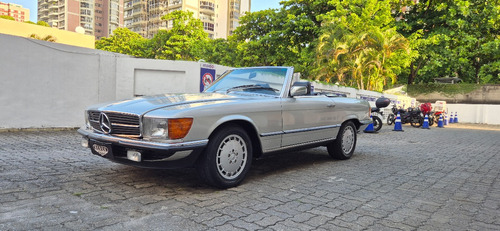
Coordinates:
155	128
87	122
161	128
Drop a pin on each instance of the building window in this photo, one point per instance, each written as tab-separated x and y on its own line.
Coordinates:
208	26
207	5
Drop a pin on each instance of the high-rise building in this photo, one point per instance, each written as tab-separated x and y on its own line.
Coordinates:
219	17
16	11
96	17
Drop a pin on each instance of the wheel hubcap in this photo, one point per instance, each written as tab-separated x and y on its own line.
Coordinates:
231	157
348	140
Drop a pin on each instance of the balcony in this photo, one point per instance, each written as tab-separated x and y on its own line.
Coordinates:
137	13
174	2
207	10
138	23
54	13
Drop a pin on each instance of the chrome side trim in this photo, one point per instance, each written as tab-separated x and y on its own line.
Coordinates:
312	129
299	145
271	134
143	144
368	121
299	130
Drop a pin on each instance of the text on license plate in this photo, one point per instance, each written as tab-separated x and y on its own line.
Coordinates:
100	149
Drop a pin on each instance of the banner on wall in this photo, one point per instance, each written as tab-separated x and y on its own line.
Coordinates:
207	75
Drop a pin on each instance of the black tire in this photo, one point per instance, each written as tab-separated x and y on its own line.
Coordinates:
390	119
431	120
377	123
416	121
343	147
221	165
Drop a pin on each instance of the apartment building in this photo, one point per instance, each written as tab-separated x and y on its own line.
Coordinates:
16	11
219	17
96	17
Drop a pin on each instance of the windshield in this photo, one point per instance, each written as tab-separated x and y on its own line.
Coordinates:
255	80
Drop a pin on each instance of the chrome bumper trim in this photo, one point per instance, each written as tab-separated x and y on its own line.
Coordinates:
143	144
368	121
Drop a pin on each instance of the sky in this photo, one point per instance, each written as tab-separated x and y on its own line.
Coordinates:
33	5
264	4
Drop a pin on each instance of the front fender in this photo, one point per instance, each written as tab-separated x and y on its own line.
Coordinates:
230	118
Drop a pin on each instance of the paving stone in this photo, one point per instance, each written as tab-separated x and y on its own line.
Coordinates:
438	179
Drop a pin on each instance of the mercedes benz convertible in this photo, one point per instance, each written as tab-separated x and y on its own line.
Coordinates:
246	113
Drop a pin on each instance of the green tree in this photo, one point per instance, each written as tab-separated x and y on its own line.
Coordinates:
454	38
123	41
275	37
42	23
7	17
359	45
218	51
179	42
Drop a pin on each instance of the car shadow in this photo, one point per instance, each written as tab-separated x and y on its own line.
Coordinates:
267	165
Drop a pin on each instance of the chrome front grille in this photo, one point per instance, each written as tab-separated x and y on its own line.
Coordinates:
122	124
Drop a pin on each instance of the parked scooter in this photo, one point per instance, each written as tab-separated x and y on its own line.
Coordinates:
378	114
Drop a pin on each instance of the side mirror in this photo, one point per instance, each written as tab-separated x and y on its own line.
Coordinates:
300	88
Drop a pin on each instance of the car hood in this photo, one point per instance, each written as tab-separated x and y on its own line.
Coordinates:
145	104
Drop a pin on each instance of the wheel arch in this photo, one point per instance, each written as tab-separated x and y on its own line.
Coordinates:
355	121
247	125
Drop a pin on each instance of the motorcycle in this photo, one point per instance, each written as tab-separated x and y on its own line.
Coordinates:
411	115
426	110
377	114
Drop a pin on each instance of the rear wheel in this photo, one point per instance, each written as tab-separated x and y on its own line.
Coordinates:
390	119
343	147
227	158
431	120
377	123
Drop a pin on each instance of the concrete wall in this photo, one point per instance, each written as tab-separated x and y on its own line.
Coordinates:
46	84
62	36
487	94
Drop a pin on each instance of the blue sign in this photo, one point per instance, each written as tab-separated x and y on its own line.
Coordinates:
207	77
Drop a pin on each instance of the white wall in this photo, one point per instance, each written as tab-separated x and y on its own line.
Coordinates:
45	84
475	113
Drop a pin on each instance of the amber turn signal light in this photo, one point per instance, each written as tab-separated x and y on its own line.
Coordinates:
179	128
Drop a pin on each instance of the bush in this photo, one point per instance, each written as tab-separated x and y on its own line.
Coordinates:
446	89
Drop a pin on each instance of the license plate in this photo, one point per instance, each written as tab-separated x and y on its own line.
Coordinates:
100	148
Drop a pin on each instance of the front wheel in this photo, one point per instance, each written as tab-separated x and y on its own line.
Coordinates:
343	147
390	119
227	158
416	121
377	123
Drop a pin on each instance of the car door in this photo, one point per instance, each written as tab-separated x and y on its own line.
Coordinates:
308	119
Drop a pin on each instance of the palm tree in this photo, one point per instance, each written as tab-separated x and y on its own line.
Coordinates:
358	59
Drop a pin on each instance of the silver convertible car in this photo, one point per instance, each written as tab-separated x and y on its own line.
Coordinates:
244	114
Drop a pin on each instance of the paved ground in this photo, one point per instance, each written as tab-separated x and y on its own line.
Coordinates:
438	179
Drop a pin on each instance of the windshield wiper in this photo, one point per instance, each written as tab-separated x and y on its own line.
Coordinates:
252	87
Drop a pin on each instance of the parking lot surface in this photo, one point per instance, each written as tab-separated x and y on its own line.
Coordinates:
419	179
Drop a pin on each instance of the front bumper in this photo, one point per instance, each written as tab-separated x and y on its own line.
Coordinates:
153	154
